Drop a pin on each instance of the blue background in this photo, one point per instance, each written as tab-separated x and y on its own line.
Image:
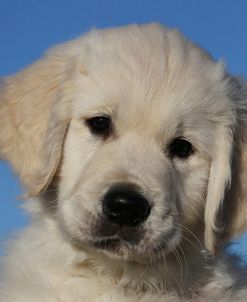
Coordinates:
29	27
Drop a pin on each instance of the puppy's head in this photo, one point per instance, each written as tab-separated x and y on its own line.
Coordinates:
139	126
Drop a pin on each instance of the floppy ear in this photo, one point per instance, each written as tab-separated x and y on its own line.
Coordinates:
33	121
234	212
226	205
219	179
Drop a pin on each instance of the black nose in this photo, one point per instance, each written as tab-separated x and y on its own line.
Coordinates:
124	205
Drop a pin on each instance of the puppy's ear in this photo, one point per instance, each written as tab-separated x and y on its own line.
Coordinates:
219	180
33	121
226	206
234	211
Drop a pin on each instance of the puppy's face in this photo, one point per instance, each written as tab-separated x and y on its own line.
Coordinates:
146	117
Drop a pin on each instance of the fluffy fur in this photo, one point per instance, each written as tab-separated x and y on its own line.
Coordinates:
156	86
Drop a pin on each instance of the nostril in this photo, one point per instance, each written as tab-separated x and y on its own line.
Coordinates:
125	206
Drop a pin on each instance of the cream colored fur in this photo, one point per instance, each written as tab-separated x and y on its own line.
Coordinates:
156	86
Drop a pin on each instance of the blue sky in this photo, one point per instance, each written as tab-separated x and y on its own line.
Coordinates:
29	27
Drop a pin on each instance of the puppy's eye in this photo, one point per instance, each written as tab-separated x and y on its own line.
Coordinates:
99	125
181	148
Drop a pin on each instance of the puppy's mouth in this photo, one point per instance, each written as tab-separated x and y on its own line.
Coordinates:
133	242
110	236
112	245
106	243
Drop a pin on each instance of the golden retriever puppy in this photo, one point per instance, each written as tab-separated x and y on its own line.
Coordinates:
131	144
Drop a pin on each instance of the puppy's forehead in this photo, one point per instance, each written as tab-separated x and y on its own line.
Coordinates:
149	73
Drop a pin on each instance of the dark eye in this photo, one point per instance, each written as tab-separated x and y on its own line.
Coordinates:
181	148
99	125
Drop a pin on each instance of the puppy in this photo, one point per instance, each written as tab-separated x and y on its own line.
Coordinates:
131	144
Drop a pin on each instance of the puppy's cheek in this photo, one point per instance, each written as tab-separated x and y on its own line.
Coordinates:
194	197
162	238
80	213
67	220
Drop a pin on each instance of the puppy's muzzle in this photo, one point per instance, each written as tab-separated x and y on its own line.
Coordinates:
125	206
